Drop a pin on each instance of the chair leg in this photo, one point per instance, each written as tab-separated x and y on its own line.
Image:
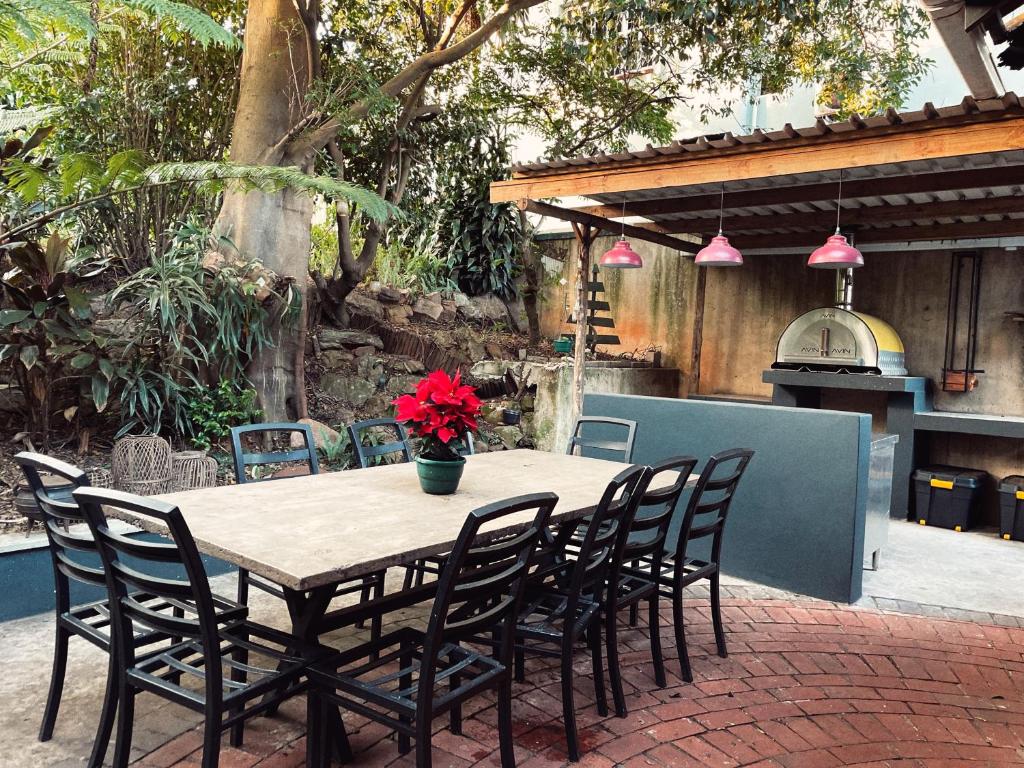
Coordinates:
507	749
614	672
654	626
569	704
409	573
634	615
60	665
125	723
594	640
680	627
423	747
107	715
520	663
455	713
211	738
716	616
243	587
240	656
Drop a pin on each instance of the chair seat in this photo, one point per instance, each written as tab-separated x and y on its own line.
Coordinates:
692	571
544	614
91	621
633	586
384	674
283	660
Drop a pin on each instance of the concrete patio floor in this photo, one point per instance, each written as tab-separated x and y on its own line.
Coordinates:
808	684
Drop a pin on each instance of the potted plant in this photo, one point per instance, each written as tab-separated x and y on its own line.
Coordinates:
441	412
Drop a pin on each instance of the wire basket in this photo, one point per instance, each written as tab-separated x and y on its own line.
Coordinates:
142	464
193	469
99	477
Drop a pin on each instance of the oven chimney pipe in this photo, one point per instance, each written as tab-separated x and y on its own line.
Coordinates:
844	288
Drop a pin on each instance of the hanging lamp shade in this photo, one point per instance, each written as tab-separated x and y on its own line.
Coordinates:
718	253
836	253
621	256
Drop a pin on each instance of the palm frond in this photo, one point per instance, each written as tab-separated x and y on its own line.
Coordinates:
14	119
201	27
215	176
27	15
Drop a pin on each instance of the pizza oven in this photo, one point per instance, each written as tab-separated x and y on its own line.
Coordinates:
839	340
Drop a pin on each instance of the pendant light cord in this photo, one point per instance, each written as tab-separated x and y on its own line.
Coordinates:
622	221
839	201
721	209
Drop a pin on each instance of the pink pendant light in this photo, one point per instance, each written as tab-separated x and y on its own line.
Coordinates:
621	255
718	253
836	253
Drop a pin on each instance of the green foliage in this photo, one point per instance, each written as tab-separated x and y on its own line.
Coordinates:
412	258
481	238
337	453
212	411
188	324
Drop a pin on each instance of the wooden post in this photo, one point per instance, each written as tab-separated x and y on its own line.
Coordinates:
585	237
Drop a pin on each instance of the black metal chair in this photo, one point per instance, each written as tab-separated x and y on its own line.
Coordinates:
407	678
233	669
366	586
705	516
75	558
368	454
623	448
647	535
566	595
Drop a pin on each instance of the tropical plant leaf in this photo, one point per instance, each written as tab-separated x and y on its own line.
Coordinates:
13	316
29	356
203	29
100	392
269	178
14	119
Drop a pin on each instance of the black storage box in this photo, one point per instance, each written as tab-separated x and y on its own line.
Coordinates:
1011	507
947	496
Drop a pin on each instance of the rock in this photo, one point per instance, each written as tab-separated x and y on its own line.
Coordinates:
351	389
489	307
449	311
408	366
346	338
405	295
509	436
468	312
494	350
428	308
389	294
336	358
491	415
322	434
475	350
460	299
363	351
403	384
370	367
365	305
398	314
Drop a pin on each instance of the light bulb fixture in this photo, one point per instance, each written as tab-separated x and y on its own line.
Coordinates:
719	253
836	253
621	255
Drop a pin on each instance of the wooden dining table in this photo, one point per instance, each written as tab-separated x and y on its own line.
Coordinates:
308	534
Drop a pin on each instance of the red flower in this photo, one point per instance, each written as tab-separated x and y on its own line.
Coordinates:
442	409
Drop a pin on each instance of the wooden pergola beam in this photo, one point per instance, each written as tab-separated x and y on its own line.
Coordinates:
614	227
976	229
767	161
865	215
939	181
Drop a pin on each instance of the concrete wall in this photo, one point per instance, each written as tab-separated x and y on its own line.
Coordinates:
797	521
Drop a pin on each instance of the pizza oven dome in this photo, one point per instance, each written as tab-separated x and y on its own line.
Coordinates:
841	341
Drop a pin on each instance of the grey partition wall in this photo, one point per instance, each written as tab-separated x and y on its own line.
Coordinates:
797	521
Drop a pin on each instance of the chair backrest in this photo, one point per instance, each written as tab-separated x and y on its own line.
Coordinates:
654	516
243	459
622	450
600	551
467	448
73	553
709	504
169	569
481	585
365	454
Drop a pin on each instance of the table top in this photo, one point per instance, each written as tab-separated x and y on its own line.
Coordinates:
305	532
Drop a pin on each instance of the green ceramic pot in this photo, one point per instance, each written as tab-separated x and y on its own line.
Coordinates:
439	478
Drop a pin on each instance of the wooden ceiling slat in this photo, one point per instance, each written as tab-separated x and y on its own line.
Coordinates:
974	178
954	231
864	215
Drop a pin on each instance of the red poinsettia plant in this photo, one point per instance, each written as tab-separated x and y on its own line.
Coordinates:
441	412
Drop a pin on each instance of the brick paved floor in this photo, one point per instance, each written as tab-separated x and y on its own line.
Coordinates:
806	685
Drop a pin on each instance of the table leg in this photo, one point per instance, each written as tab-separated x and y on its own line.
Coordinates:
307	610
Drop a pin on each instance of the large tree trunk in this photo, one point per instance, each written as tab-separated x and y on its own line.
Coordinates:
273	228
